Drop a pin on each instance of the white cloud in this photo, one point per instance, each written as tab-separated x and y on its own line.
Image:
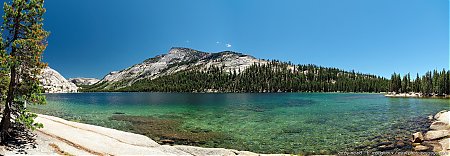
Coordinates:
228	45
217	42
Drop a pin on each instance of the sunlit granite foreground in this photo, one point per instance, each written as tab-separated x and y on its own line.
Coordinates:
60	136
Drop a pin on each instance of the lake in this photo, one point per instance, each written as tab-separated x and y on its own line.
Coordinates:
307	123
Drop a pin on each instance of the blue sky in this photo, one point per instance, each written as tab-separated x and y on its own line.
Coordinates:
90	38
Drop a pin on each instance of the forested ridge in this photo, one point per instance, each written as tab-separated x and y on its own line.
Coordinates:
277	76
274	76
433	83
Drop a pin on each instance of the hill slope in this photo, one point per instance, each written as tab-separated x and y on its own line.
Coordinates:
176	60
81	81
188	70
53	82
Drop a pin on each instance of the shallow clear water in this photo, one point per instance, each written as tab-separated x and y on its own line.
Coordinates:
266	122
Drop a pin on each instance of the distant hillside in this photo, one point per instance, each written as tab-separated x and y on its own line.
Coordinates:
189	70
80	81
53	82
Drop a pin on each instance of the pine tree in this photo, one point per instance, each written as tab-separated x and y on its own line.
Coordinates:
427	84
396	83
23	45
404	84
448	83
417	84
408	83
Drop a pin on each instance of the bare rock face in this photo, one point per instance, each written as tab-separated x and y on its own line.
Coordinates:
83	81
444	117
438	115
433	135
53	82
179	59
439	125
445	144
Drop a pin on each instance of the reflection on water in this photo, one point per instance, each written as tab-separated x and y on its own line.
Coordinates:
308	123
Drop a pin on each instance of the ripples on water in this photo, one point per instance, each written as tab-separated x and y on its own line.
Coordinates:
308	123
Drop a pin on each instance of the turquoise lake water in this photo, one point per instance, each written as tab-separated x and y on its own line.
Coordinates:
308	123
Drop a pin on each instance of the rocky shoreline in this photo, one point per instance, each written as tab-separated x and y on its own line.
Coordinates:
62	137
413	95
390	94
437	138
79	139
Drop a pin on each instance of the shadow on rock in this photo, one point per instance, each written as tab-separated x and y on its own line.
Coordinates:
21	140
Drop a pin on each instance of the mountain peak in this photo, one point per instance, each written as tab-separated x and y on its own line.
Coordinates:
178	59
178	50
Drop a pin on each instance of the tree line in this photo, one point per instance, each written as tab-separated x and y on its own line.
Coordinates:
277	76
433	83
274	76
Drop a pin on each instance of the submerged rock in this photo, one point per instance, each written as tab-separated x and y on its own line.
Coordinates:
386	147
211	151
421	148
434	145
167	141
169	130
400	144
400	136
384	143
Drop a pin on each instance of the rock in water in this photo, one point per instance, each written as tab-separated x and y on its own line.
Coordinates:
53	82
400	144
436	117
430	117
439	125
167	141
386	147
435	146
421	148
437	134
417	137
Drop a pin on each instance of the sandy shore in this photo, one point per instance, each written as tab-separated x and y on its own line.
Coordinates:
62	137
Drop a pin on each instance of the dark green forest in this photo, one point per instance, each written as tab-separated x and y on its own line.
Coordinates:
275	76
279	76
436	83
